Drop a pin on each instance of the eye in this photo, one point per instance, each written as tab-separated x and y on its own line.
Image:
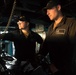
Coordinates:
18	23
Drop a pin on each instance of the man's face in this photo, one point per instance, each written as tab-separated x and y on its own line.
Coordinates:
22	24
53	13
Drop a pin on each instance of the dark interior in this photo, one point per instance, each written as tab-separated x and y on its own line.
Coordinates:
32	9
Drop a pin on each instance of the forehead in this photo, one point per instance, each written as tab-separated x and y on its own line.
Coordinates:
52	8
21	21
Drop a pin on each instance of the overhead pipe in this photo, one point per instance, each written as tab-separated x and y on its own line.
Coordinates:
9	21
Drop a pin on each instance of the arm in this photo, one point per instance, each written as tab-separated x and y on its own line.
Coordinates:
72	32
44	48
7	36
39	39
72	41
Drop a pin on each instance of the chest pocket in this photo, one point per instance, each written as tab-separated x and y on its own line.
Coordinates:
61	31
60	34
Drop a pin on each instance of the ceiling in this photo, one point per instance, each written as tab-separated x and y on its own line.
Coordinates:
33	9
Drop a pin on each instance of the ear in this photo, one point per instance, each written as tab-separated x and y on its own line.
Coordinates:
27	23
59	7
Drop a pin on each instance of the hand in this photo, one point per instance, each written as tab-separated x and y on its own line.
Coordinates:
38	57
53	68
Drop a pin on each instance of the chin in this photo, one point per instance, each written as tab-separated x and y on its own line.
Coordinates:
51	19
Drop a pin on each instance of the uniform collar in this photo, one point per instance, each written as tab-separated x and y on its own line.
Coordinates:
61	23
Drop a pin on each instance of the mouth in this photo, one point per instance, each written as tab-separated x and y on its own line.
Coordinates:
22	28
49	15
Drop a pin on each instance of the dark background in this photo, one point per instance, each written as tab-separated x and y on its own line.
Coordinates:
33	10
